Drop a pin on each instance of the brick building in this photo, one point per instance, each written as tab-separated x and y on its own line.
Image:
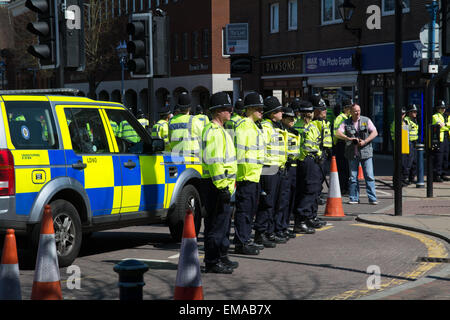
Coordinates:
196	60
303	47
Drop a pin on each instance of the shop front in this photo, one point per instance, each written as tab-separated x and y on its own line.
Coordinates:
282	77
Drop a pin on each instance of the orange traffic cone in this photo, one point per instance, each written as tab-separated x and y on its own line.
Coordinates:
47	283
360	173
9	269
334	201
188	284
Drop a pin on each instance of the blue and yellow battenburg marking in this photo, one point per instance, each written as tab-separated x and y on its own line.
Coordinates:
111	186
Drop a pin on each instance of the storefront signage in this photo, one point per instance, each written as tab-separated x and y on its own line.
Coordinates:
236	38
381	57
198	67
283	66
329	61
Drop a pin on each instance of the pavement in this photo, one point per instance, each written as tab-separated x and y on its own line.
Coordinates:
419	213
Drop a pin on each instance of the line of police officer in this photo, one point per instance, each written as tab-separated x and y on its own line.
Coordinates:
271	157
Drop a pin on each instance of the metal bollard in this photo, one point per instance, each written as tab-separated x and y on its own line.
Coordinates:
420	148
131	279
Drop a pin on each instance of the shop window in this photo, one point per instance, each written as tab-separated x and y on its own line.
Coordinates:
330	11
388	6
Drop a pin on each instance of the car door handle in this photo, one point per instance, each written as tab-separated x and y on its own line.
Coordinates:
173	172
129	164
79	165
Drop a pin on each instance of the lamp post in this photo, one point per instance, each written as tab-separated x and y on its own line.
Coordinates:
122	53
346	11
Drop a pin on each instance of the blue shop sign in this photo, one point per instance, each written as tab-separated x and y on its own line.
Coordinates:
381	57
329	61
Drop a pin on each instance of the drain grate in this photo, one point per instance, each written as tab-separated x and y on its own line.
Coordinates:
433	259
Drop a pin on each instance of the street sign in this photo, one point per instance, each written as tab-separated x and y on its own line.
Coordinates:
236	38
424	39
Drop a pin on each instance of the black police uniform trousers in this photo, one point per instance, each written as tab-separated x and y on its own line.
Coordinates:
285	198
439	157
217	223
309	184
342	165
412	161
247	197
264	221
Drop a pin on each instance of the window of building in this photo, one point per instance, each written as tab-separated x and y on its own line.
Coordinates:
184	45
205	43
157	3
166	1
292	15
195	45
388	6
330	11
176	53
274	17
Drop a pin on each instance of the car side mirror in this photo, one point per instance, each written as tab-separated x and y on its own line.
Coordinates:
158	145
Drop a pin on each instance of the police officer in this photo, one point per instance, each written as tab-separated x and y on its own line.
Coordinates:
184	129
161	128
126	131
238	114
288	183
142	119
250	152
439	154
274	162
339	146
200	115
326	142
405	157
218	181
411	118
309	177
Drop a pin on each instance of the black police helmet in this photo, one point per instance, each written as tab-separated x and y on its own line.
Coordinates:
271	104
239	104
220	100
288	112
253	99
317	102
140	114
295	104
305	106
165	110
441	104
346	103
411	107
184	101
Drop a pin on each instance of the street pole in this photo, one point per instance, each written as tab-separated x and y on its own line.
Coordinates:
398	108
432	10
122	65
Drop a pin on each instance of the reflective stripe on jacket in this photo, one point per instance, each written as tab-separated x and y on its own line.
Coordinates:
218	157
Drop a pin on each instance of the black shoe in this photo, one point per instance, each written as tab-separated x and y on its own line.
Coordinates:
318	220
412	180
218	267
303	228
261	238
251	243
445	178
228	263
405	183
322	201
313	223
289	234
278	237
246	249
437	179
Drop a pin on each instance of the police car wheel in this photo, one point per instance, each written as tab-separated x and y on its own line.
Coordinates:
68	235
188	198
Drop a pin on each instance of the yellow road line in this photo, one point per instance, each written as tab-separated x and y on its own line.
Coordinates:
321	229
434	248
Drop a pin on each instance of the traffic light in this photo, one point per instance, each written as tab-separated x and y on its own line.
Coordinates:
139	45
46	28
73	36
160	30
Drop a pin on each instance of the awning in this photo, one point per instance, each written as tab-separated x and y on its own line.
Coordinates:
333	80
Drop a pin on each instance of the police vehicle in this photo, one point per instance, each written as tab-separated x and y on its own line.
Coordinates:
93	163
